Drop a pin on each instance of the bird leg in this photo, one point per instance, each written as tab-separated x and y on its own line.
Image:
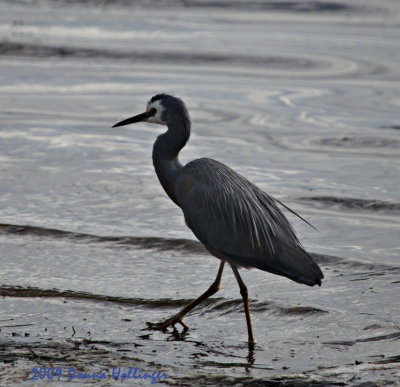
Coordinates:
177	318
244	293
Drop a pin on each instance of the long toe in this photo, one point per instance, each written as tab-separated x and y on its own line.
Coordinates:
163	325
160	326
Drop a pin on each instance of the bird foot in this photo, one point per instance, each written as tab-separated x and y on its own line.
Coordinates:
163	325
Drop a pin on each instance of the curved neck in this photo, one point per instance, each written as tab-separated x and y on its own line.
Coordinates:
165	155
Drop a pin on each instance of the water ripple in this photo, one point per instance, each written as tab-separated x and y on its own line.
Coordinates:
391	208
20	291
274	62
185	246
390	336
361	142
219	304
257	5
367	146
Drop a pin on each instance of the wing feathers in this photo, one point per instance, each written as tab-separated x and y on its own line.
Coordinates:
233	216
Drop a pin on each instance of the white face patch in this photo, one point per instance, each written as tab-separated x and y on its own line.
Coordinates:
156	119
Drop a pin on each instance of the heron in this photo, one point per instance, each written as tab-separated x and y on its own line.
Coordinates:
235	220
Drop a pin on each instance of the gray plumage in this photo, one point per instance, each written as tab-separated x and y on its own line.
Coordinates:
234	219
228	213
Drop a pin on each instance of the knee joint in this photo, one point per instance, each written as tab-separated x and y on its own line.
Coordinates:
215	286
244	292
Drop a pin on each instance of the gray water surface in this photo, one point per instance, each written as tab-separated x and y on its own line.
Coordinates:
300	97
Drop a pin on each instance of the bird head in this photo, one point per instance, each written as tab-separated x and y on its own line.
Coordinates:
162	109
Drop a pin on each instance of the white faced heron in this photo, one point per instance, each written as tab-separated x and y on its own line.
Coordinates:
234	219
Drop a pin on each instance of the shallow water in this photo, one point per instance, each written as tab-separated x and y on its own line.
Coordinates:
300	97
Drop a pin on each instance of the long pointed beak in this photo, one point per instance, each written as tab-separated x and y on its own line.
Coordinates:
138	118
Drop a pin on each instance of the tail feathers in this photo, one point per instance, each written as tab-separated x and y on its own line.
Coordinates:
299	266
306	279
294	263
291	262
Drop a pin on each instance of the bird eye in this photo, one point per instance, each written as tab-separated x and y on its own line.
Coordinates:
153	111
